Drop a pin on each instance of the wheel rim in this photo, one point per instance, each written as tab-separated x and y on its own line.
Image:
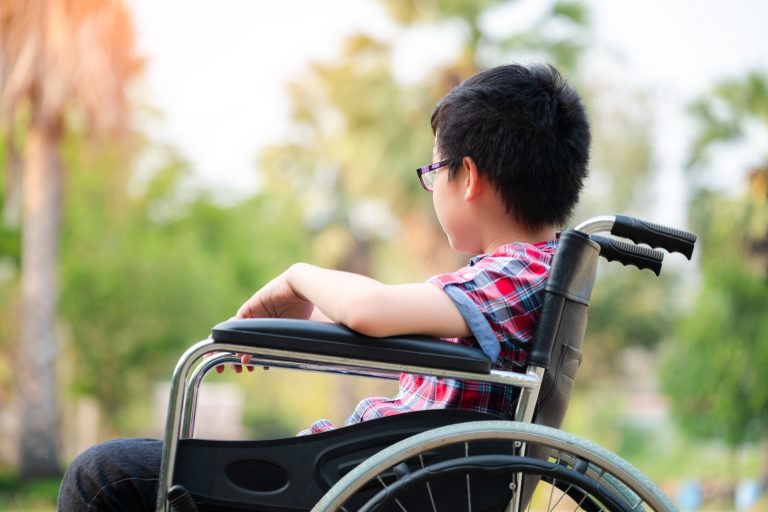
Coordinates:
637	492
580	488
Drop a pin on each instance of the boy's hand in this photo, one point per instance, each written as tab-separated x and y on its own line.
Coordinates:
276	299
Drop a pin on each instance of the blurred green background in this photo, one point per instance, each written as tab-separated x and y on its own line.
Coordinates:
117	252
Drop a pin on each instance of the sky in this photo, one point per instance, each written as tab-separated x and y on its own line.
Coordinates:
216	71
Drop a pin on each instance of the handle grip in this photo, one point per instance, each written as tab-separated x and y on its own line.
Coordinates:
655	235
629	254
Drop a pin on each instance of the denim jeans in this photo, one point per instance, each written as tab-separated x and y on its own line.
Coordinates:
119	475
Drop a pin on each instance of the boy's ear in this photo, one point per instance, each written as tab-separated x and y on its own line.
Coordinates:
473	179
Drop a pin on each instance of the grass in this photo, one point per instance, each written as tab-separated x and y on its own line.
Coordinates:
32	496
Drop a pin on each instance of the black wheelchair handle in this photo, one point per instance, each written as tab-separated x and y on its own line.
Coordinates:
655	235
629	254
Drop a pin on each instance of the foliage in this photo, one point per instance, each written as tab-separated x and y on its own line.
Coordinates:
146	274
17	495
629	308
10	240
715	373
725	114
557	35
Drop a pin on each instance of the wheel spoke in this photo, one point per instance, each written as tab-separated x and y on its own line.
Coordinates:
429	487
469	490
580	504
563	494
551	492
385	486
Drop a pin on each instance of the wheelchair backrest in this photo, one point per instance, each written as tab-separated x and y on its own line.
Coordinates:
563	321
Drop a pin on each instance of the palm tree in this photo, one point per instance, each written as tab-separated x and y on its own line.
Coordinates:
59	60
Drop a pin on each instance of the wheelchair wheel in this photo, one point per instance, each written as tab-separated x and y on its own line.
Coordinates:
478	466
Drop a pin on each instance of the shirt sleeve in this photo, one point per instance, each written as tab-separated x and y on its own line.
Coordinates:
488	296
476	321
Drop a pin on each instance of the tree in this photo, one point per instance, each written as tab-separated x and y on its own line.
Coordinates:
63	66
715	374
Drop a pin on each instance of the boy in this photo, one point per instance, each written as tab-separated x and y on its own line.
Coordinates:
510	154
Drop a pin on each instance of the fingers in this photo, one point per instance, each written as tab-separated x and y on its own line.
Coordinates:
238	368
219	368
247	309
245	359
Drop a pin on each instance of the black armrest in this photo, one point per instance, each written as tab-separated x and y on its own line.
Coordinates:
336	340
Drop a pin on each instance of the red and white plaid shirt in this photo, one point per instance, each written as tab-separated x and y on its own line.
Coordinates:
499	295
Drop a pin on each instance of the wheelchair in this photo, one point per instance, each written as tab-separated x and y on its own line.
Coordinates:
438	460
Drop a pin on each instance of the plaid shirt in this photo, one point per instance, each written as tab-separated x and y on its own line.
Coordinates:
499	295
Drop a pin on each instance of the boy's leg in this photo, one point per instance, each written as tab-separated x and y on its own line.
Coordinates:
116	475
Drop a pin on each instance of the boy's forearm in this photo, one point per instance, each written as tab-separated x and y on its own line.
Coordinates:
332	292
376	309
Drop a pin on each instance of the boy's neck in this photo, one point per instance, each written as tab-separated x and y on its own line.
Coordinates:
515	233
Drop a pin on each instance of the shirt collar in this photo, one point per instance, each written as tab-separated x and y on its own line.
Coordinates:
512	249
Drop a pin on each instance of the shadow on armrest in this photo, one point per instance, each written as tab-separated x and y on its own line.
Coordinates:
322	338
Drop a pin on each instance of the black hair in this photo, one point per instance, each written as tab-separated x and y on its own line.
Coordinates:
527	131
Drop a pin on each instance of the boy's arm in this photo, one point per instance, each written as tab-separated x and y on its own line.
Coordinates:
362	304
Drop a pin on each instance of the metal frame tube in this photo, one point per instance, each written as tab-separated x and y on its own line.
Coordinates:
174	417
526	404
193	387
526	407
597	224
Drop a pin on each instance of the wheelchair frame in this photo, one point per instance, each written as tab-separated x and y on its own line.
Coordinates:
332	348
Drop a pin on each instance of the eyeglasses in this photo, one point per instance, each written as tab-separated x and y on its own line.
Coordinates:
428	173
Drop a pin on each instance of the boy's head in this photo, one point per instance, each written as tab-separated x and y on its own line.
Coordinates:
527	131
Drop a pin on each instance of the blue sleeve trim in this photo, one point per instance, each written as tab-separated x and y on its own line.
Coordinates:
476	322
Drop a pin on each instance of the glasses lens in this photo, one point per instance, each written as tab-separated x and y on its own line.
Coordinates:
429	179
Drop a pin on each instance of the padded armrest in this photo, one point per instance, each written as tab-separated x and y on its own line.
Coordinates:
323	338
